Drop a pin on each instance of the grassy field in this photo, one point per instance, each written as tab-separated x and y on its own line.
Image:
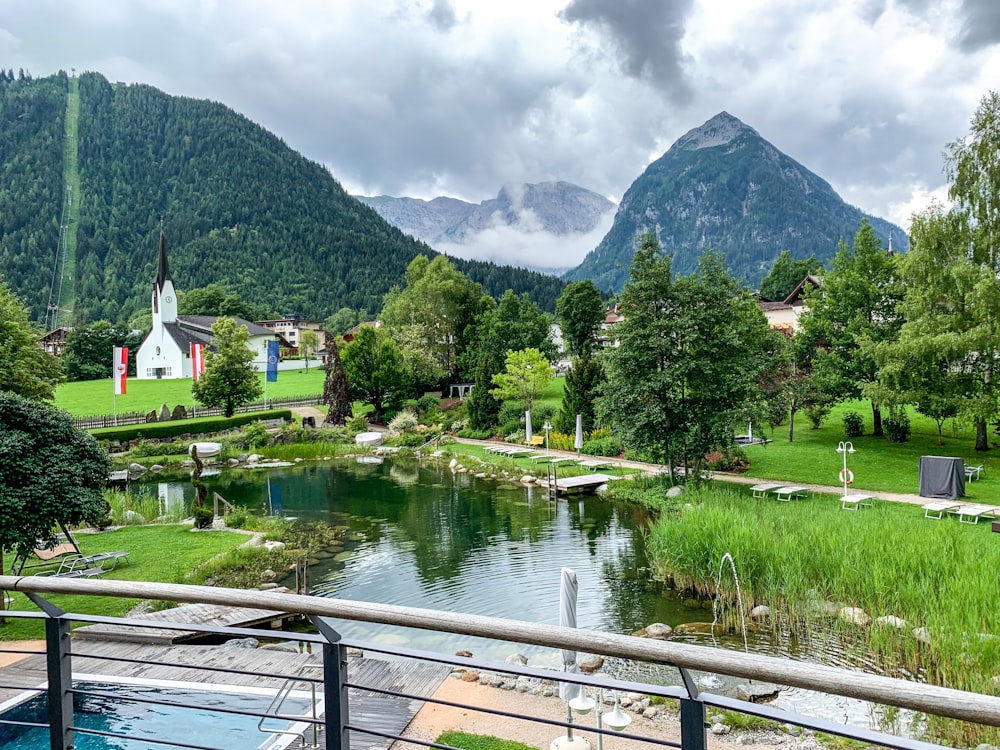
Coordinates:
97	396
877	464
156	553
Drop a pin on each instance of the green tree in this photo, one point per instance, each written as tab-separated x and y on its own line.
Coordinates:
579	394
24	368
336	389
90	349
579	311
484	407
308	342
230	379
51	473
857	302
375	370
526	373
342	321
512	324
437	305
216	300
785	275
689	357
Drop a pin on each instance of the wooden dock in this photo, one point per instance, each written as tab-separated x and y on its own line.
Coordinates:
194	614
389	714
582	483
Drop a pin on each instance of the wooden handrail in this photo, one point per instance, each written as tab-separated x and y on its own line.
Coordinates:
941	701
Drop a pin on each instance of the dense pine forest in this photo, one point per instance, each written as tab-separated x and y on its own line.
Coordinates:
239	208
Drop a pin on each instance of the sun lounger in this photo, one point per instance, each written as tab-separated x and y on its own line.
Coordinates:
855	502
786	494
594	464
973	472
938	509
561	459
760	491
538	458
972	513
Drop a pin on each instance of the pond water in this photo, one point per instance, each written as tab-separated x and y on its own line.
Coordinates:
420	535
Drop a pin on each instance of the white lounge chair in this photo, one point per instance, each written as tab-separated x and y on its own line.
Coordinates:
972	513
856	502
785	494
760	490
938	509
973	472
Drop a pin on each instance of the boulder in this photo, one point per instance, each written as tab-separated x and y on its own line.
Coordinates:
253	458
179	412
891	621
589	663
233	462
268	576
519	659
464	653
527	479
923	635
720	729
675	491
240	643
156	468
650	712
694	628
855	616
658	631
164	413
470	675
271	545
136	470
757	691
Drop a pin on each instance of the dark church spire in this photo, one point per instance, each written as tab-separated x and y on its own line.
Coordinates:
163	272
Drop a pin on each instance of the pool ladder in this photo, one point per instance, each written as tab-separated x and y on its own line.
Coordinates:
274	709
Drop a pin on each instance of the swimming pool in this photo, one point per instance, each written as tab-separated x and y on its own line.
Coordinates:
205	726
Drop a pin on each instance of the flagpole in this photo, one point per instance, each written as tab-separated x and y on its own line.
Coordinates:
114	401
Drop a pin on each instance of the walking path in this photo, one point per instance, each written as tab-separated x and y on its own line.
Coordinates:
648	468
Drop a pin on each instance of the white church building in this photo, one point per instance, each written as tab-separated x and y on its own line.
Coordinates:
166	351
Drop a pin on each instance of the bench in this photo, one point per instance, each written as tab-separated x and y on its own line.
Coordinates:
760	491
854	502
536	441
785	494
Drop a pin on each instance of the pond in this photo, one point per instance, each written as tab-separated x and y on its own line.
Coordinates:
420	535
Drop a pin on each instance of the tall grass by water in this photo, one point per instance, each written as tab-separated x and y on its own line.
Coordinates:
800	557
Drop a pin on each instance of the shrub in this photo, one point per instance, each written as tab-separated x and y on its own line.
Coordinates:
468	432
405	421
427	402
256	435
733	459
817	415
854	425
357	423
896	428
237	518
203	517
154	430
601	443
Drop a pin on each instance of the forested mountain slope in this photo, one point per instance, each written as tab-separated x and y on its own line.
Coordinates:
239	207
723	187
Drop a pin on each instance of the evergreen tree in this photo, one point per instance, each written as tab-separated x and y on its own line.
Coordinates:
582	385
484	407
90	349
230	379
336	389
785	275
24	368
579	311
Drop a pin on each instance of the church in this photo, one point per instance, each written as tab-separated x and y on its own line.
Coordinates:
165	353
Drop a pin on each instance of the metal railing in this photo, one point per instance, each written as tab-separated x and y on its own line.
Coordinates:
338	726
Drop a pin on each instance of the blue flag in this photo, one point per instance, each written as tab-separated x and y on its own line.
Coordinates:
272	361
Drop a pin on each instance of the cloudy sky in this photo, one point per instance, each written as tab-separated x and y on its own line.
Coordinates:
458	97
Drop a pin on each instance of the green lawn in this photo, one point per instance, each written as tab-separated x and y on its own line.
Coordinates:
97	397
877	464
164	554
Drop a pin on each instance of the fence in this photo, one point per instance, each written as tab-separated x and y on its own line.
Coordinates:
356	706
139	417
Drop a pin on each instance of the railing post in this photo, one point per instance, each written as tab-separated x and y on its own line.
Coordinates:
334	687
693	735
60	675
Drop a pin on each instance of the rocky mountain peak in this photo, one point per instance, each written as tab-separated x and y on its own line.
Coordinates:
717	131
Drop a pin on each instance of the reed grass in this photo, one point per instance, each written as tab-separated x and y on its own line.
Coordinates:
140	505
798	558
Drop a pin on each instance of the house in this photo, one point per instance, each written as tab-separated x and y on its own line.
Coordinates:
349	336
54	342
165	353
784	315
612	317
291	328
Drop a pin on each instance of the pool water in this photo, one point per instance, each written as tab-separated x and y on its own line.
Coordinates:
203	727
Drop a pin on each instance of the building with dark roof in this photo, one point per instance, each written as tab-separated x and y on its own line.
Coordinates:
165	353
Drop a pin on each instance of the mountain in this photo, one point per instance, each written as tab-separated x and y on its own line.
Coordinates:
722	186
238	206
557	214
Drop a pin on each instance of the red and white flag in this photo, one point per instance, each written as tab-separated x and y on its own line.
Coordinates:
120	369
197	360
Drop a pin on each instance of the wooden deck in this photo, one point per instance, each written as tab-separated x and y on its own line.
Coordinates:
582	483
194	614
366	708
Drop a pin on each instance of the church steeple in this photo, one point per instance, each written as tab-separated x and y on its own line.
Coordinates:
163	272
164	299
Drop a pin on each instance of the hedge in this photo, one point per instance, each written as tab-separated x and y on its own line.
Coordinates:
175	427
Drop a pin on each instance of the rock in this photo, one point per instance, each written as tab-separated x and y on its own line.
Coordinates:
756	692
267	586
211	581
659	631
355	653
519	659
650	712
710	682
481	475
233	462
548	692
590	663
130	517
855	616
241	643
164	413
268	576
527	479
298	460
156	468
470	675
151	416
760	612
508	684
291	647
676	491
272	545
720	729
136	470
890	621
453	463
694	628
923	635
179	412
463	652
253	458
791	729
